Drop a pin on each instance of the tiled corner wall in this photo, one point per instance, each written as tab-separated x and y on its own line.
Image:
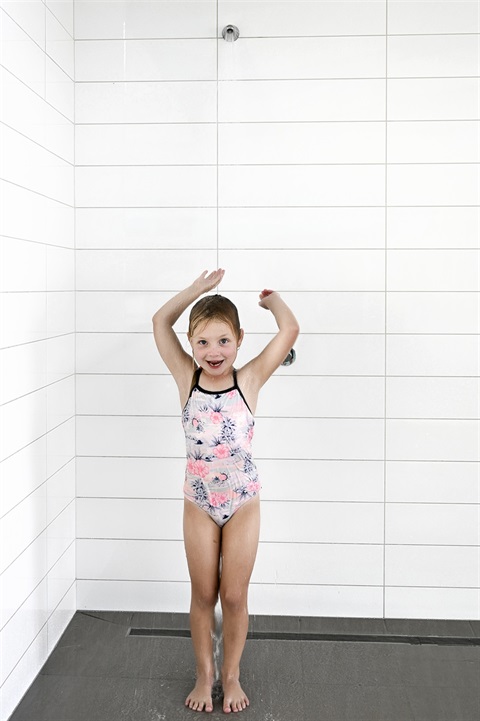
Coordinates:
332	153
37	338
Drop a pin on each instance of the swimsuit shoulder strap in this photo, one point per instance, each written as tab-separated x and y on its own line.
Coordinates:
195	379
237	387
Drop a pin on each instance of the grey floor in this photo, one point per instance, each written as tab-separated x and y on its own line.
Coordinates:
310	670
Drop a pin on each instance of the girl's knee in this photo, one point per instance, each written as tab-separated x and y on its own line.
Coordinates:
204	598
234	600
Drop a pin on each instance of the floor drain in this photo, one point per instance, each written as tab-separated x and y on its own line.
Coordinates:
337	637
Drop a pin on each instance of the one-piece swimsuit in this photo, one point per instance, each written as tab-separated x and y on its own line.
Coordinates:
221	475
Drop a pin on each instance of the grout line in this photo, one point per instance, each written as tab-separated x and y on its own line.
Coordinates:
38	144
186	582
217	149
44	578
384	569
333	36
36	192
281	80
248	207
319	121
75	305
270	501
44	627
346	164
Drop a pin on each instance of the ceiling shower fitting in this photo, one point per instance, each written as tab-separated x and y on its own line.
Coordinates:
230	33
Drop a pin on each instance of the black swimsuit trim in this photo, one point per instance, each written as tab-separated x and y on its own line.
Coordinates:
235	387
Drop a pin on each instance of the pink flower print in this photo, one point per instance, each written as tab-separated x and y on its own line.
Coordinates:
218	499
231	394
195	422
221	451
250	434
216	417
197	467
222	477
253	486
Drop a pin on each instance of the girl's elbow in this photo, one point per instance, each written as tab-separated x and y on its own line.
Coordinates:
293	331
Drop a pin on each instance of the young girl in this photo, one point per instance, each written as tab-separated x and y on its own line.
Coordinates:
221	507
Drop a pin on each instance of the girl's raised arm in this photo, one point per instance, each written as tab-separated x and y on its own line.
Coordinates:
177	360
260	368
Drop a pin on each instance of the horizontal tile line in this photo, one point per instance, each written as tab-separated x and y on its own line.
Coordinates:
302	459
292	500
213	81
277	249
289	417
219	39
129	374
304	333
282	585
269	542
313	121
346	163
238	290
243	207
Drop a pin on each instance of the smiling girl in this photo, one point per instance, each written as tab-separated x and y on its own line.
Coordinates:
221	489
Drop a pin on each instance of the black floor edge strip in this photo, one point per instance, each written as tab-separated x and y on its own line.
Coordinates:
338	637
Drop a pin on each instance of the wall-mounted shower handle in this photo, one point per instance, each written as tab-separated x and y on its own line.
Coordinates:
290	358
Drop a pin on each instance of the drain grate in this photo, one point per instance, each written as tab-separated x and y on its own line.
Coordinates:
337	637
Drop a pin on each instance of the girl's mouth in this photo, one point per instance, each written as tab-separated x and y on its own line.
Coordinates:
215	364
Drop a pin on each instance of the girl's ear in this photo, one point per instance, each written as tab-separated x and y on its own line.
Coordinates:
240	337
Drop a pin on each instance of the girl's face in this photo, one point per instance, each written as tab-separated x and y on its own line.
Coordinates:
215	347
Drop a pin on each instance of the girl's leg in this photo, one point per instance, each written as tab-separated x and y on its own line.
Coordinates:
202	546
239	549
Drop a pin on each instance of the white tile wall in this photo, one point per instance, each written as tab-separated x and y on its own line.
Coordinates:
347	178
319	155
37	352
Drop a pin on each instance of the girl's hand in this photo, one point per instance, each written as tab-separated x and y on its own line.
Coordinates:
205	282
264	296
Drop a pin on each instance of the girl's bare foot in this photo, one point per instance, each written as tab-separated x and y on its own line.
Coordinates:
234	697
200	699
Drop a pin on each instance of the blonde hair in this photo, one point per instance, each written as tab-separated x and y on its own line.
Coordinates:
214	307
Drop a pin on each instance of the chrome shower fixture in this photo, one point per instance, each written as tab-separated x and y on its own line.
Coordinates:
230	33
290	358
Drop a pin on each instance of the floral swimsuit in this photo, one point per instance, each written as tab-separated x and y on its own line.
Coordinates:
221	475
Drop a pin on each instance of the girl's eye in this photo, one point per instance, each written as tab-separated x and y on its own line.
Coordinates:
224	341
202	342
